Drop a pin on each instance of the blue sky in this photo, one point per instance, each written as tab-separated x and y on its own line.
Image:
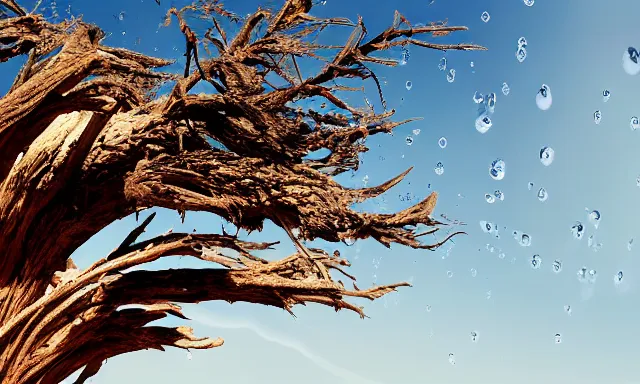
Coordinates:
576	48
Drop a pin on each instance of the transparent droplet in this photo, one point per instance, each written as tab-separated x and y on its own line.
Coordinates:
543	195
530	185
487	227
442	142
596	247
488	295
428	308
491	102
404	56
522	238
536	262
416	131
489	198
522	42
439	169
634	123
592	275
409	140
543	97
590	241
630	244
577	230
638	181
365	180
529	3
558	338
485	16
497	169
499	195
483	123
474	336
474	273
617	279
597	117
582	274
505	89
449	274
521	54
408	85
442	64
568	309
557	266
471	64
349	241
501	255
478	97
121	16
189	355
594	218
546	156
451	75
606	95
452	359
630	61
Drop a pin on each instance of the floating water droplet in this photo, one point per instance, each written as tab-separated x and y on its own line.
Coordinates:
590	241
439	169
638	181
557	266
451	75
522	42
497	169
606	95
189	355
349	241
404	56
449	274
582	274
442	64
491	102
568	309
474	273
485	16
501	255
487	227
428	308
617	279
529	3
416	131
630	244
365	180
546	156
452	359
471	64
594	218
483	123
499	195
121	16
536	262
544	98
478	97
409	140
630	61
505	89
521	54
408	85
577	230
596	247
530	185
489	198
488	295
474	336
634	123
591	276
522	238
558	338
442	142
543	195
597	117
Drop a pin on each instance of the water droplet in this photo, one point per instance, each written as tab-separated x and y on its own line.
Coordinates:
521	54
409	85
489	198
568	310
491	103
474	273
546	156
189	355
349	241
617	279
543	97
530	186
597	117
501	255
365	180
582	274
505	89
409	140
522	238
439	169
557	266
451	75
121	16
452	359
529	3
558	338
442	142
404	56
483	123
594	218
606	95
416	131
590	241
543	195
124	33
591	276
630	244
522	42
499	195
449	274
634	123
428	308
485	16
536	262
630	62
577	230
497	169
488	295
638	181
474	336
478	97
471	64
442	64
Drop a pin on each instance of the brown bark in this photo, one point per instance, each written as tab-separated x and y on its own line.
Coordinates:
84	142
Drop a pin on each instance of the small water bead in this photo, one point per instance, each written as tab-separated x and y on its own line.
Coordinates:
405	55
543	195
489	198
557	266
634	123
452	359
544	98
594	218
591	276
483	123
491	102
568	309
536	262
505	89
416	131
474	273
521	54
485	16
597	117
349	241
630	244
189	355
582	274
522	238
529	3
442	64
630	61
428	308
365	180
439	169
590	241
497	169
558	338
121	16
499	195
409	140
638	181
478	97
617	279
596	247
409	85
474	336
530	185
546	156
442	142
449	274
577	230
451	75
487	227
522	42
606	95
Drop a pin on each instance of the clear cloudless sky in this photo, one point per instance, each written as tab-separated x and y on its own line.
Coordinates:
576	48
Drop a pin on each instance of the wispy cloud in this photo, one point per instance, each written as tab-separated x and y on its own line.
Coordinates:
210	319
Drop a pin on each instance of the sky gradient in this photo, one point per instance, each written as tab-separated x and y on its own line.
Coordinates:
576	48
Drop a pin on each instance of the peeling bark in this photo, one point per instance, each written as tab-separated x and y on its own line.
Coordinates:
84	142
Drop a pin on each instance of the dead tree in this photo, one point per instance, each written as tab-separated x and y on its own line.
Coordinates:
85	141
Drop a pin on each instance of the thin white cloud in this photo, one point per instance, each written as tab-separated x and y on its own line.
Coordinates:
210	319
